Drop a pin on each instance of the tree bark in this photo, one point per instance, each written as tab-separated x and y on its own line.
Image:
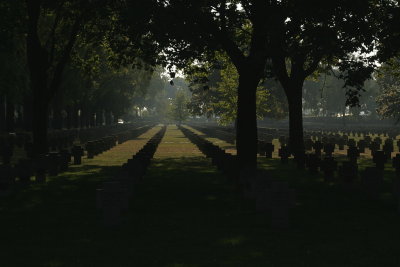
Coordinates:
2	113
40	122
10	116
108	117
19	120
296	139
75	117
57	121
246	132
28	113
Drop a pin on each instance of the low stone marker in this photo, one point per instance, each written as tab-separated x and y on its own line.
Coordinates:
374	146
388	149
284	154
308	144
379	158
348	172
329	166
353	153
396	164
313	163
329	148
77	153
112	199
269	149
351	143
341	142
7	178
371	180
54	163
317	148
24	171
361	145
41	164
7	151
278	199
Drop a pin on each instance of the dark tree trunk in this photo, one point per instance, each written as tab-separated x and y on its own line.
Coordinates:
100	118
2	113
57	122
20	121
115	118
68	119
10	116
75	117
92	119
246	132
108	118
28	113
83	118
296	140
40	122
37	62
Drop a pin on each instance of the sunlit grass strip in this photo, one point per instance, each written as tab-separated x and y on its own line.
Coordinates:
175	145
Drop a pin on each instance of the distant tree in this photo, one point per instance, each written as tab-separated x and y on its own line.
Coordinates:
219	96
179	110
389	98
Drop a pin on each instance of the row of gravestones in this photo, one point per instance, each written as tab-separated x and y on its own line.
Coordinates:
379	157
271	195
132	133
58	141
269	134
101	131
371	177
354	148
52	163
356	132
48	164
97	147
112	199
216	132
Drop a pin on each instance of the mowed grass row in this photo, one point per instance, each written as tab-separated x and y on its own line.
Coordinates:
44	225
187	214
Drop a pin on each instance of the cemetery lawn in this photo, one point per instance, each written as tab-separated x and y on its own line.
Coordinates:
187	214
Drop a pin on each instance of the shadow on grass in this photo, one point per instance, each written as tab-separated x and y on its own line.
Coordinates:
185	214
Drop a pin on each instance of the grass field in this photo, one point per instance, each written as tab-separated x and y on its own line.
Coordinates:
187	214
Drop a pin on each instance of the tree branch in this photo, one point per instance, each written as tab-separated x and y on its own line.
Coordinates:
59	68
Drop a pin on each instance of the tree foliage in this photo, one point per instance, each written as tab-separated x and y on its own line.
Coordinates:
389	98
179	111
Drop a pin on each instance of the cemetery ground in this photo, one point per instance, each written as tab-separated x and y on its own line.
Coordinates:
186	213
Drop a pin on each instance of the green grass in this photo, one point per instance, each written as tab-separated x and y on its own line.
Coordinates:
187	214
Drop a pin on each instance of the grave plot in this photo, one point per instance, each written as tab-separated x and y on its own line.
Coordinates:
16	146
48	165
221	143
185	214
224	133
57	217
174	144
115	194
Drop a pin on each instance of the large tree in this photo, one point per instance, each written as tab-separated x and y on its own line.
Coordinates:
308	35
287	39
52	30
186	31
